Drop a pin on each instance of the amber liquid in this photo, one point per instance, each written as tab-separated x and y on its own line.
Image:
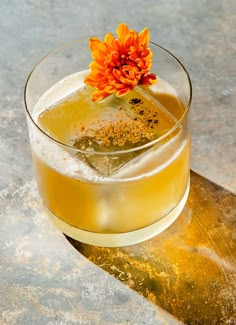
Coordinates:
132	198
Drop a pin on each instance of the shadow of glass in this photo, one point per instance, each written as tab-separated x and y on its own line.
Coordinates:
189	269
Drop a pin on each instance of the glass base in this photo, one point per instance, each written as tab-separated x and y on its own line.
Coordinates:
120	239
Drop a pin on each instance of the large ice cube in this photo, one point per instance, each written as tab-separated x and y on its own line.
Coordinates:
120	124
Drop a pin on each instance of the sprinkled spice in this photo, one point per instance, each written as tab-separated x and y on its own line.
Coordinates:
126	126
135	101
117	130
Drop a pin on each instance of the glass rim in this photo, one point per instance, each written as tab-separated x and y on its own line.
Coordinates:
138	148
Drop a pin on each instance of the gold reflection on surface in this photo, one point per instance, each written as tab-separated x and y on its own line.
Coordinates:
189	269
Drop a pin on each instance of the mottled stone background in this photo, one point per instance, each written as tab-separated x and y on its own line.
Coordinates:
42	279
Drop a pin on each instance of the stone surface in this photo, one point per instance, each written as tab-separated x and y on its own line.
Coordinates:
189	269
43	280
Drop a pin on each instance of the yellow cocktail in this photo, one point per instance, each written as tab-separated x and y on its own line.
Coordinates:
112	172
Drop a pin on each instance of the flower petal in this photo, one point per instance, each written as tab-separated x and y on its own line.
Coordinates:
109	39
144	37
122	31
123	91
96	44
149	79
99	95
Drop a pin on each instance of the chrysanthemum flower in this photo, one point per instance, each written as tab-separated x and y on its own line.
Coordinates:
120	64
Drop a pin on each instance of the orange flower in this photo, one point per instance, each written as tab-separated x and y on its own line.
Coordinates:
120	64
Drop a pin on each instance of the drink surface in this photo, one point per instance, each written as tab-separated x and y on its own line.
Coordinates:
100	182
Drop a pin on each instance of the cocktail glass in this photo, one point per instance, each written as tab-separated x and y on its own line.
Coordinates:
114	197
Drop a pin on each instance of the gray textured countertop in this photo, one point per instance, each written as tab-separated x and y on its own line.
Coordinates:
43	279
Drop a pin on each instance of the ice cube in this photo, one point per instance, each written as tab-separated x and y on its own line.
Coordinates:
121	124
